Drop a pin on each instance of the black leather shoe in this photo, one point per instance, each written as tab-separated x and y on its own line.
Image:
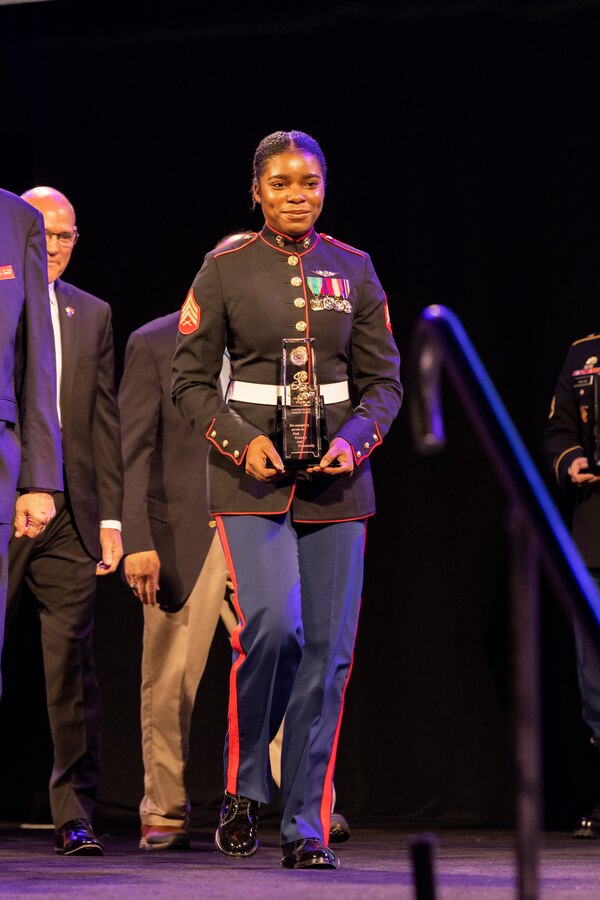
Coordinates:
339	830
309	853
236	834
77	836
588	826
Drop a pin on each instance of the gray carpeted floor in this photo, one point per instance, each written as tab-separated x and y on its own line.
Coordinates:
375	863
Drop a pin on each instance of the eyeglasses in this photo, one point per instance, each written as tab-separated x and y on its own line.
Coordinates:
64	238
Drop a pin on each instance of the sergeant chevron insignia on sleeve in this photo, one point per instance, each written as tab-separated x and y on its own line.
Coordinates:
189	318
388	321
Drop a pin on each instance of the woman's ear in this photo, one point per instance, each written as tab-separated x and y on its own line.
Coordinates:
255	192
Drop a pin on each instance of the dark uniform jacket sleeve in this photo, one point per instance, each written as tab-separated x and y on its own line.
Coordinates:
375	370
195	387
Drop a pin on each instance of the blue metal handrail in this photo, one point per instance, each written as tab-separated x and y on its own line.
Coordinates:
538	536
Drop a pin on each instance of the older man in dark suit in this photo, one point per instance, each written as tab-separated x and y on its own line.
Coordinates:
29	432
84	539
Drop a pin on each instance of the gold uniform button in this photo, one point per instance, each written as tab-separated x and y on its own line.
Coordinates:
213	434
236	453
212	523
299	302
296	281
226	443
300	326
292	260
367	445
358	453
375	438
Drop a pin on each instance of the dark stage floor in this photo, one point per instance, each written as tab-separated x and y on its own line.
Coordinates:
375	863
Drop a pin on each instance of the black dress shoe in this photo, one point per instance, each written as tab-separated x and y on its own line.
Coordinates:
236	834
77	836
587	827
309	853
339	830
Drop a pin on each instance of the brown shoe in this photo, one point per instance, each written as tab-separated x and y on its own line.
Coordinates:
164	837
339	830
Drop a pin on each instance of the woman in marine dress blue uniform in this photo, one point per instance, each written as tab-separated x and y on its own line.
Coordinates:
294	538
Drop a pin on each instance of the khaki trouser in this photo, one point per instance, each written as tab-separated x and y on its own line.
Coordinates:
176	647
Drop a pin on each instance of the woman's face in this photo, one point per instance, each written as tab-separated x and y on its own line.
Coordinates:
291	191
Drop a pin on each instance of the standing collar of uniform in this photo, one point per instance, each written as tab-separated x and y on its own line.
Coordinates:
299	244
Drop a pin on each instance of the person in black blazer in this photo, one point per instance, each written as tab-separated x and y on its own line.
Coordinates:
30	452
169	541
84	539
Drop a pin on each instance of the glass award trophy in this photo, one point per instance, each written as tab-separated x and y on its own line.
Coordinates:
300	411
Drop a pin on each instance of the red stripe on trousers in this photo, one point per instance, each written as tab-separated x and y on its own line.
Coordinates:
233	729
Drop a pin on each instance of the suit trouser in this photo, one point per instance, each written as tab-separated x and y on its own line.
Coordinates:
62	577
588	672
176	647
4	538
297	595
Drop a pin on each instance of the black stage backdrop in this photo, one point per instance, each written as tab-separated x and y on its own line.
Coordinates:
463	145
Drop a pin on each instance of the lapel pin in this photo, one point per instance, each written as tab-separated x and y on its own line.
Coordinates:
69	311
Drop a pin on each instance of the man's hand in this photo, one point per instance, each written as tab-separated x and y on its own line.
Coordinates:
260	452
33	511
577	472
142	571
112	550
339	450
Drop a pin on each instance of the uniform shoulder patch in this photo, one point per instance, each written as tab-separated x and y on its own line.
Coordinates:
341	245
189	317
388	321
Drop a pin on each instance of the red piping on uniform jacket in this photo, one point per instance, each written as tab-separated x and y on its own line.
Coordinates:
342	246
364	456
235	249
237	461
290	252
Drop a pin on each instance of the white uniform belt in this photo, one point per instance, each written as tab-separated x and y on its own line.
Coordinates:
267	394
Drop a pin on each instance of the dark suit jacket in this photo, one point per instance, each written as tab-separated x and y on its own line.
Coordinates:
165	507
569	434
29	431
89	411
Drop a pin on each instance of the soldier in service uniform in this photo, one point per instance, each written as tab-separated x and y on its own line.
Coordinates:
571	447
293	539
